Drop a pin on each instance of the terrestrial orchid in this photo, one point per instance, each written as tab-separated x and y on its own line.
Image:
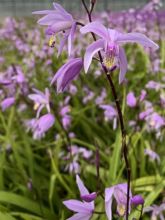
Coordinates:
58	20
67	73
110	43
41	100
119	192
157	211
85	208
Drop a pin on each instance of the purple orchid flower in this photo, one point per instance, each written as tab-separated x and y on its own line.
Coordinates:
58	20
41	100
40	126
85	208
152	155
67	73
157	211
110	113
120	194
131	100
66	118
7	103
114	55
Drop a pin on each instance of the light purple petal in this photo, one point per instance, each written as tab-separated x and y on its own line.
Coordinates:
43	12
78	206
136	38
113	34
60	9
83	190
123	64
50	19
61	46
108	202
60	26
90	51
96	28
7	103
80	216
71	37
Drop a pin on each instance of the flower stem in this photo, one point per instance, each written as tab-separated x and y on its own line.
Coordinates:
120	115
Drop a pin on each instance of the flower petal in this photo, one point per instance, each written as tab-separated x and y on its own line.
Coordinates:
90	51
43	12
136	38
60	9
49	19
71	37
108	202
78	206
123	64
80	216
83	190
96	28
62	44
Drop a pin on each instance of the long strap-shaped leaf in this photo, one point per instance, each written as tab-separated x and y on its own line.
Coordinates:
27	204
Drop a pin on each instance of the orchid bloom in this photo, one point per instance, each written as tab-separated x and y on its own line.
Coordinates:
67	73
131	100
110	113
152	155
40	126
157	211
41	100
84	209
58	20
110	43
120	194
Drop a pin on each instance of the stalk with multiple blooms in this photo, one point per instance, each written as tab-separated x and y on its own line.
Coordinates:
111	56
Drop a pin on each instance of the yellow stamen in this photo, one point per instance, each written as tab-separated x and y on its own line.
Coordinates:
109	61
52	41
121	210
36	106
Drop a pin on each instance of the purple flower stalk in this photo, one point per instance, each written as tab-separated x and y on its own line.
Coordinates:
67	73
84	209
7	103
114	55
41	100
58	20
119	192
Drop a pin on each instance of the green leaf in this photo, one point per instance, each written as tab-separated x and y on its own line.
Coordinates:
115	158
27	204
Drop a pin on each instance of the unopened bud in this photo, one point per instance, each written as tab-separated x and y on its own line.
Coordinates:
93	2
137	200
89	197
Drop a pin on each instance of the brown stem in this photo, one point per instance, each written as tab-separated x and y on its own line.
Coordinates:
120	115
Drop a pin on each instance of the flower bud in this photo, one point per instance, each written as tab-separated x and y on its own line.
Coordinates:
137	200
93	2
89	197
